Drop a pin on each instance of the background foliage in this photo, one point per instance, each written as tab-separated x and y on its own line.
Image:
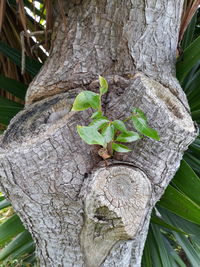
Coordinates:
174	234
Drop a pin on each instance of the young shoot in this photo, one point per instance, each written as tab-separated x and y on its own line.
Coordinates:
105	132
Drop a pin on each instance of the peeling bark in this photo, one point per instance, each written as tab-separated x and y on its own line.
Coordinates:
79	211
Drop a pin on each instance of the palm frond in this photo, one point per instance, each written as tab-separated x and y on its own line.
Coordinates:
190	7
2	12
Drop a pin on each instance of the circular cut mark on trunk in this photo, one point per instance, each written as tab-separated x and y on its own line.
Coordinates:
116	204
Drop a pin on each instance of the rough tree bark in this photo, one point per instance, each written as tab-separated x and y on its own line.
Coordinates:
79	211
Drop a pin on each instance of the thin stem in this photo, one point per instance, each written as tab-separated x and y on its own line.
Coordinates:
109	148
100	107
127	119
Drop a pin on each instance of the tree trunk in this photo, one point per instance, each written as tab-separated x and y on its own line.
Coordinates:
79	211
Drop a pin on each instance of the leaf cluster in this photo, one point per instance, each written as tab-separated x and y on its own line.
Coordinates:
105	132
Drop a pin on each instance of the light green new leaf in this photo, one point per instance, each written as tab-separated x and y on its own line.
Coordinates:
119	125
99	123
90	135
85	100
128	137
108	133
139	113
103	85
81	102
97	115
120	148
141	126
93	99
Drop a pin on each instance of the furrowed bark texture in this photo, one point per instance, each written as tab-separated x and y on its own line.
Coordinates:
79	211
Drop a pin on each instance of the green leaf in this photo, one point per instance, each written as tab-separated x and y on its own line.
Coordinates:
161	247
108	133
103	85
139	113
10	228
154	256
188	182
191	86
4	204
85	100
189	33
93	99
120	148
190	244
32	66
160	251
196	116
1	197
180	204
90	135
8	109
27	249
192	229
119	125
193	161
128	137
15	244
188	59
14	87
190	251
161	222
99	123
97	115
146	257
141	126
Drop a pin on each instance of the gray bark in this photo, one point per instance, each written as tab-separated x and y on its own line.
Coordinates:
79	211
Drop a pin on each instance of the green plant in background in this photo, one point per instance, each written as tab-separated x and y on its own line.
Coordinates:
109	133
